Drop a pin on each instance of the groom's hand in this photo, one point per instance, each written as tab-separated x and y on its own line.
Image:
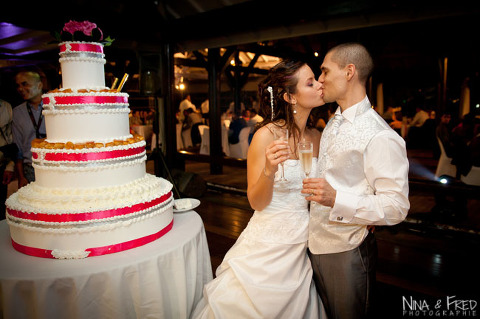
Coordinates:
320	191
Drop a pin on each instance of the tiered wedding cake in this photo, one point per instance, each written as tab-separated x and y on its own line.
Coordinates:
92	195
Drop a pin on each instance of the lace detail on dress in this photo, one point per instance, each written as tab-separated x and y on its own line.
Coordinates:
285	219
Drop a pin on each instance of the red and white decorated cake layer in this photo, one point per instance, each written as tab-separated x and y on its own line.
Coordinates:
90	47
99	99
44	156
71	223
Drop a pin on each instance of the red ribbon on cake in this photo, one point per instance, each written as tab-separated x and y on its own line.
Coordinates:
85	157
82	47
86	99
99	215
97	251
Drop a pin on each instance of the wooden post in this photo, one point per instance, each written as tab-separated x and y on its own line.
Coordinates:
216	152
168	89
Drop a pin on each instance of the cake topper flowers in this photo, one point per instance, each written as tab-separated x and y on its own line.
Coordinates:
82	31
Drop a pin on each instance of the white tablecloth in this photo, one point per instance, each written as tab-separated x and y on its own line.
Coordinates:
205	145
163	279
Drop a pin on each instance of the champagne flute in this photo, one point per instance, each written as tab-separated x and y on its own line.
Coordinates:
305	154
281	134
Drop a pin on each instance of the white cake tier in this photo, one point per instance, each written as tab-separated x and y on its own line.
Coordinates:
100	174
76	223
85	125
82	64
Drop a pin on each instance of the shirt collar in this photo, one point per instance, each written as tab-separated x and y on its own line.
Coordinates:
350	113
40	106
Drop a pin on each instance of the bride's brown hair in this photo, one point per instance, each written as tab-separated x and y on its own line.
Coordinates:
282	79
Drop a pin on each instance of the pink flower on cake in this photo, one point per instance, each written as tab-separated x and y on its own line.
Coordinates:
81	31
86	27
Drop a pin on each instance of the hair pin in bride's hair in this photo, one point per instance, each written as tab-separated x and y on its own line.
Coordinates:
270	89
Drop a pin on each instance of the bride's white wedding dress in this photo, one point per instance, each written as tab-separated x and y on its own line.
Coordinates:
267	273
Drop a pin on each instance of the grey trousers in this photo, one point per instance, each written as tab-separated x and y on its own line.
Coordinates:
345	281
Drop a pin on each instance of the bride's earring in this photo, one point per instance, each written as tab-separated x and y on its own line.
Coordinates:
294	109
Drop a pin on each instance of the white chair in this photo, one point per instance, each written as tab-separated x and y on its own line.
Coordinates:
240	149
201	128
187	138
205	145
473	177
444	166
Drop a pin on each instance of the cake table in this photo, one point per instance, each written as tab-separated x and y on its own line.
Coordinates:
163	279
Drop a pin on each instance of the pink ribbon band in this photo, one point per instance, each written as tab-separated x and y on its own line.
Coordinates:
85	99
59	156
97	251
82	47
99	215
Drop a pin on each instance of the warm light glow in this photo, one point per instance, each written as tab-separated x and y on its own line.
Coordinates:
316	54
181	86
232	62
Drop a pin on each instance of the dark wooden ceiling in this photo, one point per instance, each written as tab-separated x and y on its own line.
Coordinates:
404	36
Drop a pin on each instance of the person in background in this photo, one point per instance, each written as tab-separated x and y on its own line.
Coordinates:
238	122
8	152
416	129
475	146
462	136
28	122
361	180
205	108
388	114
254	118
420	117
184	105
323	115
444	133
192	121
252	122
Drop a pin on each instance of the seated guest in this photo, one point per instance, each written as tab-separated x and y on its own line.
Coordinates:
192	121
420	117
252	122
254	118
416	128
235	127
462	136
444	134
388	114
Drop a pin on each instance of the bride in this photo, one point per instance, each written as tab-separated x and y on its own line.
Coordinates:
267	273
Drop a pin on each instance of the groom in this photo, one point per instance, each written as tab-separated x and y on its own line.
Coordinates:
363	181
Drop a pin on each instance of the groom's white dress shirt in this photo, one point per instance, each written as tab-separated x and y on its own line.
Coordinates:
365	161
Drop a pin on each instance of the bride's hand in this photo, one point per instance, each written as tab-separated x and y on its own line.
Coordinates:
275	153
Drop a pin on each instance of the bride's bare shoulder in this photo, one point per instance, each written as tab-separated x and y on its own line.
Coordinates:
263	135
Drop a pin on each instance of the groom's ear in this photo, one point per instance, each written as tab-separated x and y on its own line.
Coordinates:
350	71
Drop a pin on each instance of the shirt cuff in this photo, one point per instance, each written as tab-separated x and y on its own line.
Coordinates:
345	207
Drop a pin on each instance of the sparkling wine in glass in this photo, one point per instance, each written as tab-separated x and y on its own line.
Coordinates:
305	154
281	134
